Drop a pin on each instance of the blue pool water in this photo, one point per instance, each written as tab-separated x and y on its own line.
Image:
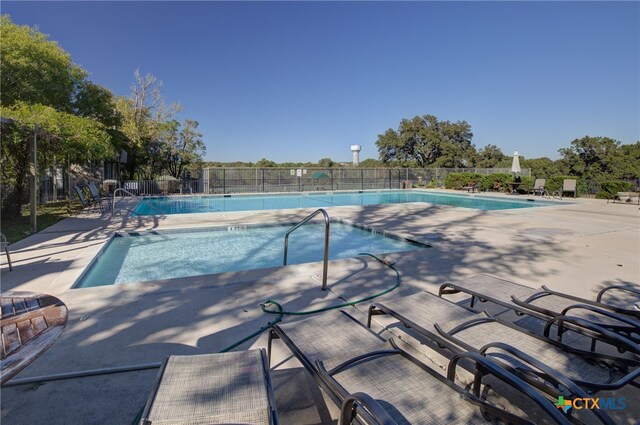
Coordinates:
217	203
166	255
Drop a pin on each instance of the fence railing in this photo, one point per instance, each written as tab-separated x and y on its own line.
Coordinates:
264	180
257	180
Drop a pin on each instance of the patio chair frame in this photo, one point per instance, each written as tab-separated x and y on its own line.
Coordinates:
446	340
4	244
370	413
538	190
628	327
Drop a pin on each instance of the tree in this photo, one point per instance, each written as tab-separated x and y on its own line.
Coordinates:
180	148
46	94
144	122
371	163
628	162
489	157
326	163
34	69
543	168
58	134
426	141
265	163
592	157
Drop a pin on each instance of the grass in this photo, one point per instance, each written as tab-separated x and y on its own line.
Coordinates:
48	215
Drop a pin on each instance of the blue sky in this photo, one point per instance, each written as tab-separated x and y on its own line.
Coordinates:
300	81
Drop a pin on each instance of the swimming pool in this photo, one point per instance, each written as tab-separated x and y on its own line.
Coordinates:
157	255
228	203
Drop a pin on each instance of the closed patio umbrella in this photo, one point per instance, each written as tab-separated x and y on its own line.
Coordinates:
515	165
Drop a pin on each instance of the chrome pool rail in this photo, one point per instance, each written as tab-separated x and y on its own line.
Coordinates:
325	260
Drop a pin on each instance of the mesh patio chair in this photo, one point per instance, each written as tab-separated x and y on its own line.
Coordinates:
535	358
538	187
83	199
95	194
227	388
569	185
347	360
617	315
4	246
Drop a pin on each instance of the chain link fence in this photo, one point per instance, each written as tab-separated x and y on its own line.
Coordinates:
262	180
265	180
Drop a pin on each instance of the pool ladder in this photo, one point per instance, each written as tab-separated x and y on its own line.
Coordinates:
325	260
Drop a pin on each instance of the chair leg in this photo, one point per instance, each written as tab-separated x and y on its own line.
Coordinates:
6	250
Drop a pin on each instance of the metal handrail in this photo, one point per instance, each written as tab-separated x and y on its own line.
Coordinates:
326	242
113	198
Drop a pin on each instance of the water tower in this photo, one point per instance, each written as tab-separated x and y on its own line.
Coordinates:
355	150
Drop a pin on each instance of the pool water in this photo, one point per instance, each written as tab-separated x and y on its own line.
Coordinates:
227	203
166	255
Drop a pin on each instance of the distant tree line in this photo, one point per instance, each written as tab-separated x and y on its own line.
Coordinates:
75	121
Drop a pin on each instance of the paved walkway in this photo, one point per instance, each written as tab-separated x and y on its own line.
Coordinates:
576	248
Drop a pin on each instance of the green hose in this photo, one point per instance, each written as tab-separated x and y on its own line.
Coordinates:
281	313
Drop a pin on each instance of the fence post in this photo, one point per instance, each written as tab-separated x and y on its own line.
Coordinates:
389	172
331	173
224	180
263	180
362	179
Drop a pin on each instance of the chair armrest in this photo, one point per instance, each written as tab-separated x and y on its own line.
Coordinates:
350	406
626	320
551	375
619	288
485	366
593	331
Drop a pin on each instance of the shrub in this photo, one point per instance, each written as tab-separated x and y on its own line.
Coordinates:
609	189
458	180
497	182
526	186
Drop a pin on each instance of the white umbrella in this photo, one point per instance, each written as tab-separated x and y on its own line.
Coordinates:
515	165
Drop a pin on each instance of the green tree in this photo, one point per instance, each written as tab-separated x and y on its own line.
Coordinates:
371	163
425	141
489	157
265	163
46	94
181	147
144	122
34	69
627	164
592	158
543	168
326	163
59	134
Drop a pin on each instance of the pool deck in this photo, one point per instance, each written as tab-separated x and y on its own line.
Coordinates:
576	247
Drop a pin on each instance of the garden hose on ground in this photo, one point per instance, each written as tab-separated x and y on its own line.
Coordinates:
265	306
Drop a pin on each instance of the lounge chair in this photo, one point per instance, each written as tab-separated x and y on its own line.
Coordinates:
546	304
228	388
83	199
538	187
471	187
627	197
536	359
4	245
95	194
347	359
568	185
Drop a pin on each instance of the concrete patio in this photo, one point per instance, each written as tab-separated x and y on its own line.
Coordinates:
576	247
